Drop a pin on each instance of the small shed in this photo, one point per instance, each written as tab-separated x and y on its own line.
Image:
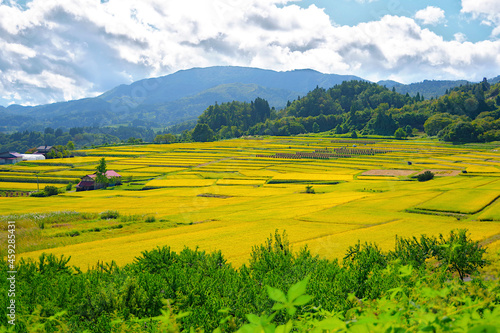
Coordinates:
10	157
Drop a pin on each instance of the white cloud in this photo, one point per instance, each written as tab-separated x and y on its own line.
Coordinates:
460	37
431	15
487	10
55	50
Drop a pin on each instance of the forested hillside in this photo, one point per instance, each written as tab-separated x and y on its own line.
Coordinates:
469	113
80	136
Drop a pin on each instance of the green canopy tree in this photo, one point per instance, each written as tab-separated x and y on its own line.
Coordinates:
202	133
101	170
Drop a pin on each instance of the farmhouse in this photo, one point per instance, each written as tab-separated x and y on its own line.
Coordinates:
44	150
89	181
10	158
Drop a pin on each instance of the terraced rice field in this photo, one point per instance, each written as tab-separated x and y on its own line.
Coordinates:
230	195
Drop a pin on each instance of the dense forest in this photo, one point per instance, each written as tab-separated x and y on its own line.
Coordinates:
423	284
80	136
469	113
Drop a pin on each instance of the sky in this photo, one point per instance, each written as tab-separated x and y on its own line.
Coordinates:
52	50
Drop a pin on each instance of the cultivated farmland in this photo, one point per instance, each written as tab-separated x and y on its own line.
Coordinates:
230	195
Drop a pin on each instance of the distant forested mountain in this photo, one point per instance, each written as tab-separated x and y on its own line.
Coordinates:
170	99
184	95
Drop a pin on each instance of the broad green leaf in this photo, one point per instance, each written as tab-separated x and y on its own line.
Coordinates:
276	294
278	306
284	328
484	329
302	300
254	319
291	310
395	291
298	289
183	314
405	271
331	324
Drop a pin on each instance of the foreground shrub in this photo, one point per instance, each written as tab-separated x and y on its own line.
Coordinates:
110	214
166	291
47	192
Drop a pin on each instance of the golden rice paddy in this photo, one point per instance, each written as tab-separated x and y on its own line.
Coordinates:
219	195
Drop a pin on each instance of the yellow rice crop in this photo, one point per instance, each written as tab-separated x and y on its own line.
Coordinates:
482	169
240	182
326	176
180	182
26	186
242	216
461	201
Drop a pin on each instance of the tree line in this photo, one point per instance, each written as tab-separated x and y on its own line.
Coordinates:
469	113
80	137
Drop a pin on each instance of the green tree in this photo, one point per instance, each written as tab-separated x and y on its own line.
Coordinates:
202	133
315	127
434	124
50	191
408	130
460	254
400	134
101	170
70	145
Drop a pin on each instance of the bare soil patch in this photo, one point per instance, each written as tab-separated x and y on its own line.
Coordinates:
442	173
395	173
211	195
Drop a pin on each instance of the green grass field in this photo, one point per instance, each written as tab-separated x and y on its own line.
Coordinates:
219	195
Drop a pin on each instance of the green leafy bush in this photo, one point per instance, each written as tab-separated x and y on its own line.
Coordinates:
425	176
279	290
110	214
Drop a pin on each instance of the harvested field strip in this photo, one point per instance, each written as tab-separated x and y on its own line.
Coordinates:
377	178
395	173
441	173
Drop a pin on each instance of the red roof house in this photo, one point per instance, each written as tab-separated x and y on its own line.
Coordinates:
88	182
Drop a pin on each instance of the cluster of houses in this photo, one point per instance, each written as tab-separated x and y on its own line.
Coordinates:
13	157
88	182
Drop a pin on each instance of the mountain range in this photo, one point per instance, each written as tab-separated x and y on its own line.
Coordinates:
184	95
